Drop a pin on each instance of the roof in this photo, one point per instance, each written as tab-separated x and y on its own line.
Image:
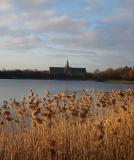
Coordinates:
62	69
57	68
78	69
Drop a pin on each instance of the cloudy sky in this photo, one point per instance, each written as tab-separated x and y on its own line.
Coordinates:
90	33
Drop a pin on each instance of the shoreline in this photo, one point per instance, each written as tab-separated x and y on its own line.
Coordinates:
90	80
119	81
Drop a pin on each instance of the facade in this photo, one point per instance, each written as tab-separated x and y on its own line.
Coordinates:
67	72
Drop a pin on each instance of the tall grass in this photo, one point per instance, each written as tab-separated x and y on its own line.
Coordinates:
95	126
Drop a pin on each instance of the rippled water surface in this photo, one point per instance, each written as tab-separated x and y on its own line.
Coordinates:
19	88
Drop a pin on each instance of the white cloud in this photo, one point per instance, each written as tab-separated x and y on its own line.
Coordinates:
21	41
49	21
6	6
7	20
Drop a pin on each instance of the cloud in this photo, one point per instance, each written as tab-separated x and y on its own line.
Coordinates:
33	4
82	40
69	32
49	21
21	41
7	20
102	27
6	6
72	52
91	6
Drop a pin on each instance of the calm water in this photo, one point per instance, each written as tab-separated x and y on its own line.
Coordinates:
19	88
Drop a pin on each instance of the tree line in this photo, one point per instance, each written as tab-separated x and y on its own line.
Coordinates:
24	74
122	73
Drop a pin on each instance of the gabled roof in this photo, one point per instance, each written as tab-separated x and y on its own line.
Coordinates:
63	69
56	68
78	69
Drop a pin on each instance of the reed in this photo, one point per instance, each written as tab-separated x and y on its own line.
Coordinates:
65	126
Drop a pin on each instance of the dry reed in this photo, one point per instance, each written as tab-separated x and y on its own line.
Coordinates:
95	126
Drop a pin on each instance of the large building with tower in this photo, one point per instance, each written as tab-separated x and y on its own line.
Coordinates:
67	72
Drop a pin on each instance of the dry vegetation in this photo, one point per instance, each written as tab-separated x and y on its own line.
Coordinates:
95	126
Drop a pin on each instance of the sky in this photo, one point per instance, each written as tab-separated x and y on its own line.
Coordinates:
36	34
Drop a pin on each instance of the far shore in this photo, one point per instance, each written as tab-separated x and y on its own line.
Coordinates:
119	81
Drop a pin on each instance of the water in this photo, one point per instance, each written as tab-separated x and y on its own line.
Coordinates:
19	88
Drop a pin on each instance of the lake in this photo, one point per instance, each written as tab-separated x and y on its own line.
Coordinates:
19	88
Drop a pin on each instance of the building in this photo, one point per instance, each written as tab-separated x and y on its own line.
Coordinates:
67	72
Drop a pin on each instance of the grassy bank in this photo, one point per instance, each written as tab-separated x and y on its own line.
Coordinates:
99	126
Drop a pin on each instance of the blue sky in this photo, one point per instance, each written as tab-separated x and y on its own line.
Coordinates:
36	34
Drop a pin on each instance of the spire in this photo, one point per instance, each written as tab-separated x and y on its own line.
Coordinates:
67	65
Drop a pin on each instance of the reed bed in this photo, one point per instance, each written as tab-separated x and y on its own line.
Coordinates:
65	126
